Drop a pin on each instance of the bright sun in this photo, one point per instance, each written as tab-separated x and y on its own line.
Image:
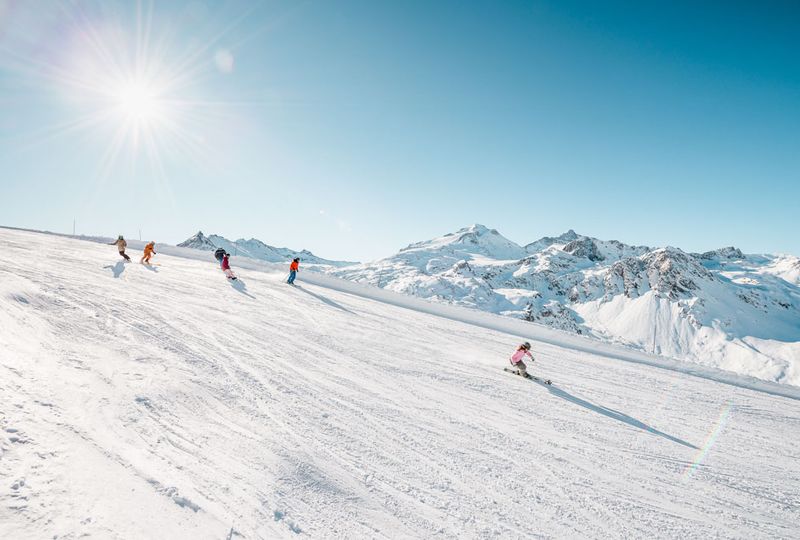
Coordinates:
131	83
139	102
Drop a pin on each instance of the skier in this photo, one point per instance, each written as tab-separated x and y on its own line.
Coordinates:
149	251
219	254
226	267
293	269
516	359
121	245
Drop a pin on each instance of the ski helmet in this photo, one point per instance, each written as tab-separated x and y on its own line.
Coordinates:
526	346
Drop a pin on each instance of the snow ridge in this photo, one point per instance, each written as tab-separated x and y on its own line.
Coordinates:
255	249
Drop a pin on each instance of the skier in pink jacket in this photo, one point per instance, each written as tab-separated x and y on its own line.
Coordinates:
516	359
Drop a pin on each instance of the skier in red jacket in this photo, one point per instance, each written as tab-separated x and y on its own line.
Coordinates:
293	269
226	266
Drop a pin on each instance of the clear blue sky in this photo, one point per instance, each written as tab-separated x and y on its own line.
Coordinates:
354	128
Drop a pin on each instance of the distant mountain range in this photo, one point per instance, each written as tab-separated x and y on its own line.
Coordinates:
720	308
256	249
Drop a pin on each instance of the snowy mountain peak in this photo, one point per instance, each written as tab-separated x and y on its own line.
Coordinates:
198	241
729	253
252	243
473	240
668	271
584	247
547	241
476	228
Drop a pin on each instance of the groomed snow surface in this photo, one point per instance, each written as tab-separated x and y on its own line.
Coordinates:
167	402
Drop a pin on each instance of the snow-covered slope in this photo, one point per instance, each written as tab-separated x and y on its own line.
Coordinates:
255	249
721	308
166	402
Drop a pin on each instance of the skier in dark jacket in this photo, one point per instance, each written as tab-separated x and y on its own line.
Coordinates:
219	254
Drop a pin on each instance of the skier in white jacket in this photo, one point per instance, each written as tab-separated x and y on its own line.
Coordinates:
121	245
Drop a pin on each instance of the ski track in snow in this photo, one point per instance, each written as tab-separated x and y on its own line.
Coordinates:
168	402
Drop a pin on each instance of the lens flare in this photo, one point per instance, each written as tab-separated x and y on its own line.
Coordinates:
710	441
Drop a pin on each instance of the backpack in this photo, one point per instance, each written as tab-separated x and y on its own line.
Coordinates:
219	254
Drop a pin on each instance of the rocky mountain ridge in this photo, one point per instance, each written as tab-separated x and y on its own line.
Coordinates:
722	307
256	249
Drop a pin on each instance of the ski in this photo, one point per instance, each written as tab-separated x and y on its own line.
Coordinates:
532	377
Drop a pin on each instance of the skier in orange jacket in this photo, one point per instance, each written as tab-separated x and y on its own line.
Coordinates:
293	269
149	251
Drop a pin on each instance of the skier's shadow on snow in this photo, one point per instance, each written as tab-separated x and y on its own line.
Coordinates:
150	267
616	415
238	285
117	268
325	300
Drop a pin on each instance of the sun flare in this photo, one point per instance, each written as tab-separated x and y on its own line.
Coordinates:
140	102
134	88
